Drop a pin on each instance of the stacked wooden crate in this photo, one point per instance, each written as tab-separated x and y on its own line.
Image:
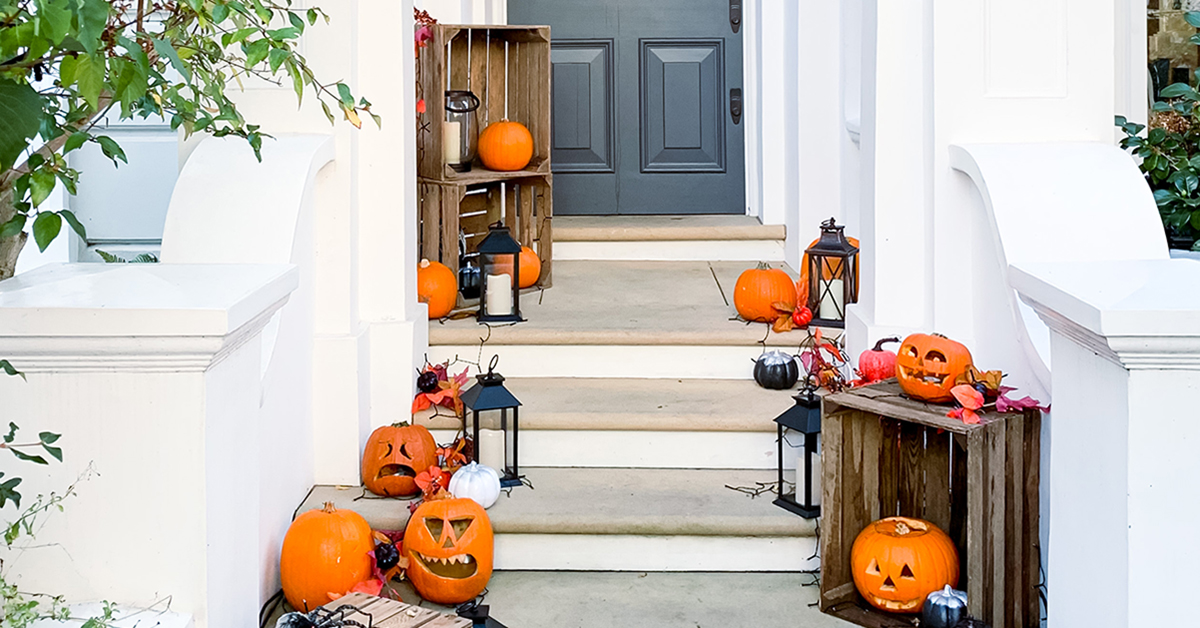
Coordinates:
885	455
508	69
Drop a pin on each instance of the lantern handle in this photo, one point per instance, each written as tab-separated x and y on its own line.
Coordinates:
492	365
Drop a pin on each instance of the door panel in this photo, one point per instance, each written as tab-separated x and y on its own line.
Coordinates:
582	106
682	123
640	105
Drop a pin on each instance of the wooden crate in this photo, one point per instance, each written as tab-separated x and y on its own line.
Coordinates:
448	210
508	68
385	613
885	454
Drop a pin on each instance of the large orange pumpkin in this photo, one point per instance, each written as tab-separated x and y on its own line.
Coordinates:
324	551
531	267
393	456
826	273
505	146
929	365
437	286
897	562
450	546
758	290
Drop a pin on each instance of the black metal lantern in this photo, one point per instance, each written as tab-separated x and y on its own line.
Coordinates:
832	276
500	285
805	418
494	401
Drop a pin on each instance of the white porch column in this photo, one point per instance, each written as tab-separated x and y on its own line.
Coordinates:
1123	491
152	374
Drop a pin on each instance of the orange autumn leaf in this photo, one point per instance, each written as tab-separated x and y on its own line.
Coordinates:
783	324
968	396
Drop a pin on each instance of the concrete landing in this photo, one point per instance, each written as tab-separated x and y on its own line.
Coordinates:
627	303
663	228
699	405
646	502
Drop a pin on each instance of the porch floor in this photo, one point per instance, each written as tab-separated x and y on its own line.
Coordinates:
626	303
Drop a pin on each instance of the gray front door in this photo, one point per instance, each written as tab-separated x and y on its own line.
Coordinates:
642	121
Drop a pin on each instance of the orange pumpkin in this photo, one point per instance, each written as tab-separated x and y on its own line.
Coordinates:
450	546
531	267
505	146
929	365
437	286
897	562
826	273
758	290
324	551
393	456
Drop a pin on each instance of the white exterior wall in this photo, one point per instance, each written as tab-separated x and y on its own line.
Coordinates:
369	328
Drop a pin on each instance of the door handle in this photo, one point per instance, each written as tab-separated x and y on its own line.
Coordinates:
735	104
735	14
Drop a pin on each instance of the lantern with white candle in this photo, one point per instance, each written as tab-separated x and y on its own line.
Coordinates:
460	130
493	411
499	300
832	276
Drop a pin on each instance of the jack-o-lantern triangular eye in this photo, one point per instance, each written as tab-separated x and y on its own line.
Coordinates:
403	452
907	573
460	526
935	356
435	525
388	454
873	568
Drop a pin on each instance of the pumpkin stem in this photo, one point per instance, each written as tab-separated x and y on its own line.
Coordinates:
329	509
424	263
401	424
879	345
764	266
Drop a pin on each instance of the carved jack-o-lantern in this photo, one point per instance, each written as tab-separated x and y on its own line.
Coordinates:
449	544
928	365
392	457
897	562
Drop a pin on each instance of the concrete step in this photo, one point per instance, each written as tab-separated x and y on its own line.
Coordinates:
659	423
619	319
728	238
626	520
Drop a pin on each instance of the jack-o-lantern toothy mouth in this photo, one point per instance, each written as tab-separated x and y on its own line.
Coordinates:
922	376
399	470
896	605
454	567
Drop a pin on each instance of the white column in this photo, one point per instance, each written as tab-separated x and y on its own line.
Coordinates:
152	374
1126	355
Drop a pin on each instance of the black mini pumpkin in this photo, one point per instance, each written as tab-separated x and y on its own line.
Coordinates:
776	370
469	280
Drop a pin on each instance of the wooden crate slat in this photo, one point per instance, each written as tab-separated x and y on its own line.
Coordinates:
544	209
835	559
936	464
451	199
1032	460
912	480
524	233
431	221
997	437
1014	503
494	100
478	77
855	514
976	521
871	439
384	613
889	467
886	401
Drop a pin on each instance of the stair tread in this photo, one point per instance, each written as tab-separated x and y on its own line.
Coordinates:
627	303
663	228
650	502
693	405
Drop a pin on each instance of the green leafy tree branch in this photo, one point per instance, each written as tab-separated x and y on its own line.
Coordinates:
65	65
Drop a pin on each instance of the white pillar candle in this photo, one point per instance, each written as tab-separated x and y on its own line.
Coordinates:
833	303
499	294
491	449
452	142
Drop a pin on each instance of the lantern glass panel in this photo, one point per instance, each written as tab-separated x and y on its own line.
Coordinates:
499	277
460	131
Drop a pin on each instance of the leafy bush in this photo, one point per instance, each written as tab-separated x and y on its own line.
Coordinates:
1170	156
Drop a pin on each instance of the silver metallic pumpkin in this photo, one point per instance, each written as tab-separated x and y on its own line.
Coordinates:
944	609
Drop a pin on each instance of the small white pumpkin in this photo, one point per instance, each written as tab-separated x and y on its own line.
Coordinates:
478	482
